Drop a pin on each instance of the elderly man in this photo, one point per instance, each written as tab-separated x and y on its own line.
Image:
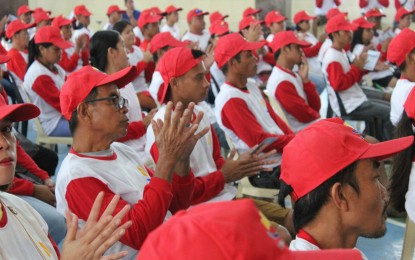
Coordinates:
91	101
332	173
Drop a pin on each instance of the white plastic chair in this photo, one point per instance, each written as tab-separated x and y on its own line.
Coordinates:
277	108
409	240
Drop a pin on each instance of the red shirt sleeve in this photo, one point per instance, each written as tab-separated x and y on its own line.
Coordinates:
27	162
141	66
295	105
17	64
2	50
236	111
384	3
85	57
341	81
205	188
46	89
312	51
135	130
69	63
319	3
146	214
269	58
383	54
397	4
363	3
21	187
337	2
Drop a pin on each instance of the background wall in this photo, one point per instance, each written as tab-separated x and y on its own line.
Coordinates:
233	8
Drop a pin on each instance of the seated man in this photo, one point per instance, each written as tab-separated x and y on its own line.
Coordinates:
345	94
114	15
332	174
91	101
185	81
241	109
296	94
197	32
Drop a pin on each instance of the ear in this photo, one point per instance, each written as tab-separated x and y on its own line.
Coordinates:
339	196
174	82
285	49
83	112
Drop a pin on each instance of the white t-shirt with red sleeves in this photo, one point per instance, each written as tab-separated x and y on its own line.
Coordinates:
173	30
203	39
327	5
135	56
156	82
399	95
23	231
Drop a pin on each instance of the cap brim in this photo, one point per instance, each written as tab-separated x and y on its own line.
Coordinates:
61	43
19	112
368	25
120	78
203	13
302	44
251	46
387	149
4	58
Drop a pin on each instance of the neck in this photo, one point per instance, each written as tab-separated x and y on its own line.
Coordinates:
197	32
338	46
400	26
170	23
409	73
176	100
236	80
286	64
46	64
111	69
328	231
17	46
86	141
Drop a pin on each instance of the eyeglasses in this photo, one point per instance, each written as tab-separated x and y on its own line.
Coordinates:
118	101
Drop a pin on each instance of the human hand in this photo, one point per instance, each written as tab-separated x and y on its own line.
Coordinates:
209	60
303	68
149	117
51	184
43	193
97	236
80	42
322	37
360	61
385	44
253	33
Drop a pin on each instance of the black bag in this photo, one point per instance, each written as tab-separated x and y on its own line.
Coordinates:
267	180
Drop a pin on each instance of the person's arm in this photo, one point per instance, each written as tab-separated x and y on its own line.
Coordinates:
363	3
46	89
384	3
27	162
319	3
237	116
337	2
269	58
295	105
21	187
146	214
312	51
17	65
342	81
397	4
69	63
135	130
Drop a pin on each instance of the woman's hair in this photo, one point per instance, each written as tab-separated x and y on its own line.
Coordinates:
34	51
101	41
402	164
357	38
120	26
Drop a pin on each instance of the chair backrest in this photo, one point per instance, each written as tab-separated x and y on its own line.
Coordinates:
277	108
39	127
409	240
16	91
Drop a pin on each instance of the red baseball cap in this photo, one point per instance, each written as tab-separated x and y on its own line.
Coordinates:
302	16
374	12
219	28
409	105
41	16
114	8
226	230
18	112
363	23
230	45
148	16
171	8
16	26
164	39
156	10
82	10
339	23
41	10
400	46
285	38
194	13
23	9
80	83
322	149
274	17
60	21
51	34
401	13
4	58
248	21
175	63
333	12
251	11
215	16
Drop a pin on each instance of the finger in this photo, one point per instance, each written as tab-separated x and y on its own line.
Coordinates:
201	133
110	235
93	215
99	230
72	226
268	154
156	128
167	115
122	212
177	114
115	256
232	154
184	120
111	206
199	117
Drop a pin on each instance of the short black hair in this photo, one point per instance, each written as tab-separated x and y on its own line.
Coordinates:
120	26
277	54
73	122
331	36
225	68
100	42
402	67
307	207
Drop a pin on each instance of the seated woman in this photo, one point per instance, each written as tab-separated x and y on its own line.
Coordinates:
44	79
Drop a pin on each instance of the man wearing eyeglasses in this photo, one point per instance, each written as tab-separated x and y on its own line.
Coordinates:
197	32
91	101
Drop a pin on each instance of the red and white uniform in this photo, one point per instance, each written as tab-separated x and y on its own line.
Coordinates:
300	102
342	78
205	162
72	61
323	49
119	171
79	32
17	66
156	86
24	232
408	4
136	131
366	5
312	53
203	39
247	118
135	58
399	95
43	87
410	194
173	30
323	6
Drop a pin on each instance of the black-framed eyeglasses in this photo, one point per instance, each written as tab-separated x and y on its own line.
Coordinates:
118	101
